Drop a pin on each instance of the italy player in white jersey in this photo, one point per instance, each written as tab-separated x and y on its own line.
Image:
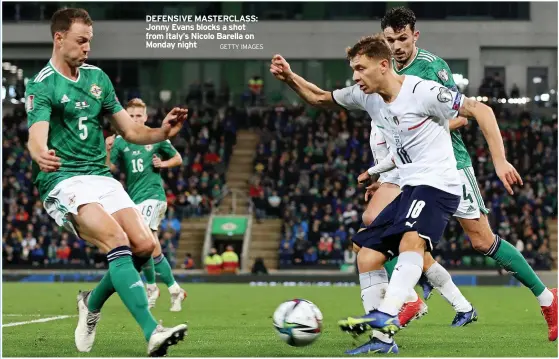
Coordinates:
412	115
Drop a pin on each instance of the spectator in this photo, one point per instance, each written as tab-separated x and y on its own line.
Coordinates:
188	262
259	267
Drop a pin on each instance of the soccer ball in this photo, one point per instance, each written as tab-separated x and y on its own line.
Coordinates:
298	322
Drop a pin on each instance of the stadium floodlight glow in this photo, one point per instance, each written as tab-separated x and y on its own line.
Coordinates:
165	95
552	91
13	69
537	98
545	97
6	66
484	99
478	98
537	80
510	100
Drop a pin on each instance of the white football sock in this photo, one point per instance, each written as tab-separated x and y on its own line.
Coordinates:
412	297
151	286
174	288
440	279
404	278
373	288
546	298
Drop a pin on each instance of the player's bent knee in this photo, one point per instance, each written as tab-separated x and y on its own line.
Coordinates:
369	260
143	245
480	234
411	241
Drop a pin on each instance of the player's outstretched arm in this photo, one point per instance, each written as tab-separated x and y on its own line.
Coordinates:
142	135
488	124
37	145
308	91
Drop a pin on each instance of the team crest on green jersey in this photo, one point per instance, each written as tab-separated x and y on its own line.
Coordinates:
148	147
96	91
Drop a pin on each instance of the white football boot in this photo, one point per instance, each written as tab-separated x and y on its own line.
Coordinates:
153	294
84	335
162	338
176	300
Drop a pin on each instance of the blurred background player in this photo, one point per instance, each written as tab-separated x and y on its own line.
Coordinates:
142	166
64	103
399	29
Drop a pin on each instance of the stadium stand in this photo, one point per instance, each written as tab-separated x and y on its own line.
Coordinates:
307	163
299	170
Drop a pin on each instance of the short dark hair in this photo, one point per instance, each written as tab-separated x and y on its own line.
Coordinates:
373	46
397	18
63	19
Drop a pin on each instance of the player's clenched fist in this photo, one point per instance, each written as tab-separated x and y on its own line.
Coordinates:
172	123
48	162
156	161
280	68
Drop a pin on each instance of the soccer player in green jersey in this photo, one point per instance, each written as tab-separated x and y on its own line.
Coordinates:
142	165
65	102
399	29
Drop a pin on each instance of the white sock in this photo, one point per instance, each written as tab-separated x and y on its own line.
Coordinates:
373	288
404	278
440	278
412	297
151	286
174	288
546	298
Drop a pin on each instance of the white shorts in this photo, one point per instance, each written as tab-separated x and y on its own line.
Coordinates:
392	176
471	202
153	212
73	192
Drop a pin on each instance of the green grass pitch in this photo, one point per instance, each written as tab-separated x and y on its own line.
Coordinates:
235	320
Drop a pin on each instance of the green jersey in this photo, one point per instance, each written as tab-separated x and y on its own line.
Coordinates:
431	67
74	110
143	181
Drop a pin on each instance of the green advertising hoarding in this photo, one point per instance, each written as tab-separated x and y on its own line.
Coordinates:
229	226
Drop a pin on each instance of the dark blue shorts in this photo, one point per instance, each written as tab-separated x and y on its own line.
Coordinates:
422	209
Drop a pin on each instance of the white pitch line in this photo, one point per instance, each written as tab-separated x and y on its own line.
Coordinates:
36	321
30	315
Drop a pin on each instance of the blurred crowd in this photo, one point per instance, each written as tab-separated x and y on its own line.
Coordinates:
307	164
305	171
31	237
